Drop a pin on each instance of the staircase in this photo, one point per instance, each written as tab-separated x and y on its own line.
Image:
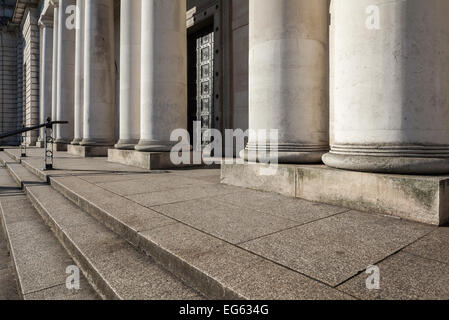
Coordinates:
102	234
46	233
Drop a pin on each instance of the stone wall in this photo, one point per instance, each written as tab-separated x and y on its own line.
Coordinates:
8	85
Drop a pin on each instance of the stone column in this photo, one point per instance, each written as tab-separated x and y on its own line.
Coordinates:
54	85
390	110
288	79
99	74
79	74
130	73
46	26
164	73
66	72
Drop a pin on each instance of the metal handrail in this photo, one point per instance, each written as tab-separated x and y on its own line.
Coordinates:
48	140
49	124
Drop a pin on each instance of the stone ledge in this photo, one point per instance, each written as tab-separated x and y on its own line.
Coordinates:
144	160
88	151
60	147
418	198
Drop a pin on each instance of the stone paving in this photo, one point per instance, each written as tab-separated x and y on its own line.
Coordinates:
331	245
8	284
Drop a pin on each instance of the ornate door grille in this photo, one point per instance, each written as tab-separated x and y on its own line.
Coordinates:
205	85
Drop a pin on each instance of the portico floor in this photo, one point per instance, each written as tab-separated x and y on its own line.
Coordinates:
261	245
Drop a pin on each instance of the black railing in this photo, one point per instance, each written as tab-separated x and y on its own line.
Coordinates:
48	140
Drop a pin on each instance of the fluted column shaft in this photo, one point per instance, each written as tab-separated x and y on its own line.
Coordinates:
164	73
288	79
130	54
46	72
390	110
99	74
79	74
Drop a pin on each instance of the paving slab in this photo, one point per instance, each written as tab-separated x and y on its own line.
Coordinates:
289	208
8	282
103	178
122	215
214	191
337	248
208	174
228	272
8	286
153	184
404	277
60	293
434	246
225	221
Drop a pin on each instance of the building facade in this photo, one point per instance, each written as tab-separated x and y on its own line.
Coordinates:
359	82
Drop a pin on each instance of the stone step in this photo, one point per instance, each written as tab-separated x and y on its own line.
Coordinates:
216	268
39	260
112	266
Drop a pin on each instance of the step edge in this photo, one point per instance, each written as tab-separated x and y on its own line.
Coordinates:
12	254
210	287
93	276
61	237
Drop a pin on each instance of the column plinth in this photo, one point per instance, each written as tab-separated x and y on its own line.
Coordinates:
390	109
288	79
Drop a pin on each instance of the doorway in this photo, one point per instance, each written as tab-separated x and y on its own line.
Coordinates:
201	84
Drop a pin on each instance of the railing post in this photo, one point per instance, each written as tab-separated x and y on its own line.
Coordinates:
48	146
23	147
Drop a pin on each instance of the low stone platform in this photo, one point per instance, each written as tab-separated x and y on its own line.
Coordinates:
418	198
144	160
60	147
87	151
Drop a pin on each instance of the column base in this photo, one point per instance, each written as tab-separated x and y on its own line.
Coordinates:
76	142
88	151
126	144
96	143
391	165
283	157
155	146
146	160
